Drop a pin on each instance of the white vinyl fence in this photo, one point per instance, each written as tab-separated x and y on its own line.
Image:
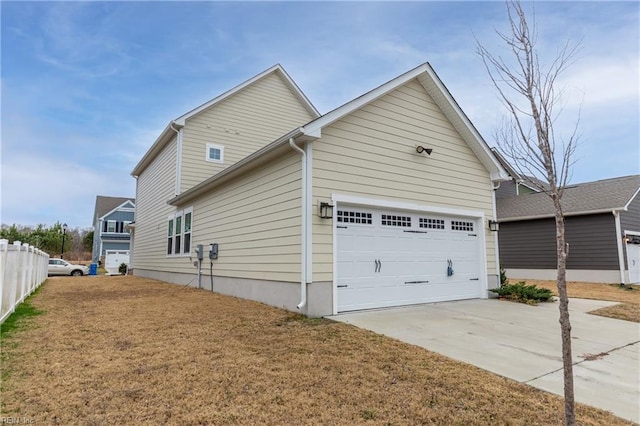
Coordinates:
22	269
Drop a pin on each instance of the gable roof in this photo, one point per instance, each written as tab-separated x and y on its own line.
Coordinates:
440	95
313	130
174	125
105	205
602	196
530	182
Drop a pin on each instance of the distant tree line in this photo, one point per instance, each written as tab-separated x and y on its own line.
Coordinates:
78	242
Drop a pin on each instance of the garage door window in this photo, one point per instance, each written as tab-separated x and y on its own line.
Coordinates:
354	217
393	220
431	223
458	225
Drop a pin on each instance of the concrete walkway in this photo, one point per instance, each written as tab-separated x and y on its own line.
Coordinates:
523	343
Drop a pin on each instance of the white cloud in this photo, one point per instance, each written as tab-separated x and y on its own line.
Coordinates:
604	81
36	190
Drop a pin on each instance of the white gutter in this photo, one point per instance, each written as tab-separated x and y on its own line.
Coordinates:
206	185
616	215
548	216
495	234
303	243
178	156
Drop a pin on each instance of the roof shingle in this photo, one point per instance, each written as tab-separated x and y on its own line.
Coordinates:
590	197
105	204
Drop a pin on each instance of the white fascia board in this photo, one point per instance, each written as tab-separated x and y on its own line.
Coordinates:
277	69
505	164
462	123
119	208
315	127
206	185
635	194
402	205
547	216
299	93
179	122
162	140
450	108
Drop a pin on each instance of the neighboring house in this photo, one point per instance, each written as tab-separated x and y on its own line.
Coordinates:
602	229
383	201
520	184
110	219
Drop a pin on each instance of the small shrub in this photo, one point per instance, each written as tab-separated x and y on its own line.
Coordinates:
523	293
123	268
504	280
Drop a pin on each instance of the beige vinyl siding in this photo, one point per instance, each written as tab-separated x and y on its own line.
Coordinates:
256	221
156	185
243	123
371	153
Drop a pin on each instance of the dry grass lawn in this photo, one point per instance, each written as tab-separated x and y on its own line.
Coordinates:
122	349
628	296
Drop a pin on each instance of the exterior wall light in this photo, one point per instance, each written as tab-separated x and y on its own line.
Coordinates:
493	225
420	149
326	210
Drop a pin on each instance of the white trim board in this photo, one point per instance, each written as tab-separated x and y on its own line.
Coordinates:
403	205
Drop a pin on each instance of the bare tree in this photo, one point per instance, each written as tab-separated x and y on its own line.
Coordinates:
530	94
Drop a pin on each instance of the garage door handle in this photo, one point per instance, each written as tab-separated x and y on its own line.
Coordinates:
378	265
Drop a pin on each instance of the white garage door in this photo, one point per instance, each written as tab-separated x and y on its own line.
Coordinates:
390	258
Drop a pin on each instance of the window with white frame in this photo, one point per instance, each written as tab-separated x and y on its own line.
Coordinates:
115	226
170	236
178	236
179	225
186	245
215	153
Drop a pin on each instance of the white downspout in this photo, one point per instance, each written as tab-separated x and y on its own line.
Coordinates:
495	234
178	157
616	215
303	243
308	149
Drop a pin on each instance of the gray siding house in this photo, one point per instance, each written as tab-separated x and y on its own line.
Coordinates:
602	229
110	219
519	184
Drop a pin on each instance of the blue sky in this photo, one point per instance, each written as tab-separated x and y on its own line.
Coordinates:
88	86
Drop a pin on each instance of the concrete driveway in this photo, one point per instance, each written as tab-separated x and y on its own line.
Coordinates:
523	343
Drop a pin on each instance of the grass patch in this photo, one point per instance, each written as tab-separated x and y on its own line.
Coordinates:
19	320
624	311
121	349
20	317
628	295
